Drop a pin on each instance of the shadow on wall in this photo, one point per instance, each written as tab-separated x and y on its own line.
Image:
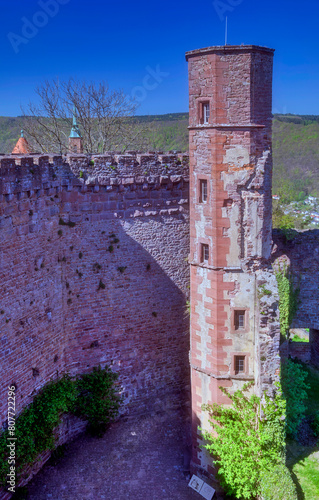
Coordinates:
80	287
131	313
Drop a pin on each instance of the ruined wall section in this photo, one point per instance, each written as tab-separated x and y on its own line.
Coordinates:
94	271
301	255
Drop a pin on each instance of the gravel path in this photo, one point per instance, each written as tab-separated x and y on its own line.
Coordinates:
140	459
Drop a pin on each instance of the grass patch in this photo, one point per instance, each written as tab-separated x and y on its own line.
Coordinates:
303	461
307	473
296	338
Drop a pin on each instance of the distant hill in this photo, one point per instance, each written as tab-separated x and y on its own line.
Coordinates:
296	156
295	147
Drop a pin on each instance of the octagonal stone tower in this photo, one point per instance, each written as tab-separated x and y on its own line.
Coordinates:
230	102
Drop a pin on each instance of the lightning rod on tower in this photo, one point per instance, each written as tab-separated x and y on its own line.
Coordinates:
226	31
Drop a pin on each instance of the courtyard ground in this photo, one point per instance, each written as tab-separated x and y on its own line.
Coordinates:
142	458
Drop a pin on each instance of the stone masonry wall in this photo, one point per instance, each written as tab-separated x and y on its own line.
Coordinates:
301	255
93	271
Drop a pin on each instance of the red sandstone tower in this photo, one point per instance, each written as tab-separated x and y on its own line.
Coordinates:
230	93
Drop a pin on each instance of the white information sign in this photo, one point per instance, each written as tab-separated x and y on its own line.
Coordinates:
202	488
196	483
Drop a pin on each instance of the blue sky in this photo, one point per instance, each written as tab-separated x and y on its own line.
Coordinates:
127	42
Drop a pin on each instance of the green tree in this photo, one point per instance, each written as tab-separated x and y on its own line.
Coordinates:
294	386
250	439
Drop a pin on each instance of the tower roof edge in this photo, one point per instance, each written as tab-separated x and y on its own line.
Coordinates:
228	49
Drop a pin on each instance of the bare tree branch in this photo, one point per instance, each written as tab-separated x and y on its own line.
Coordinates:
105	118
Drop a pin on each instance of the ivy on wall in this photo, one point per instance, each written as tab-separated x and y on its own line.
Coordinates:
288	300
92	397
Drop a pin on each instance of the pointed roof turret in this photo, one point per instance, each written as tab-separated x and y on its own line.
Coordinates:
22	147
75	131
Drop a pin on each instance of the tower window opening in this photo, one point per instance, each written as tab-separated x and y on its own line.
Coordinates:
203	191
239	320
205	253
239	364
206	112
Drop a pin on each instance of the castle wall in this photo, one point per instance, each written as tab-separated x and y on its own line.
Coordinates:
301	255
108	286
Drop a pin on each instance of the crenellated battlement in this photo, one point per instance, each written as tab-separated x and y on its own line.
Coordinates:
35	172
109	161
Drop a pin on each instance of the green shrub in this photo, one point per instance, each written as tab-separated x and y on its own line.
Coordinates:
246	442
91	396
277	484
315	426
97	400
293	381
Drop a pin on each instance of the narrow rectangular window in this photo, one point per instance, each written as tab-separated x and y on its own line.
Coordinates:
206	112
205	253
203	191
239	364
239	320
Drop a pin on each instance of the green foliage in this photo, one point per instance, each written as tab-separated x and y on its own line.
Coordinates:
306	471
288	300
277	484
97	400
296	338
34	426
295	153
294	386
288	222
250	439
285	222
264	291
295	147
91	396
315	425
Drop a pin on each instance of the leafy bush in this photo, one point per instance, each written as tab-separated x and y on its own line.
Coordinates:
277	484
97	400
91	396
285	222
293	381
315	425
250	439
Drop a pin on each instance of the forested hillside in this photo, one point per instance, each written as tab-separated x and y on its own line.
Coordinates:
296	157
295	147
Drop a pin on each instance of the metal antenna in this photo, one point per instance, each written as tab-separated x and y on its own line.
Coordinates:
226	31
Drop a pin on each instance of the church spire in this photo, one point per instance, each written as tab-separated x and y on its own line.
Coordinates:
75	137
75	131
